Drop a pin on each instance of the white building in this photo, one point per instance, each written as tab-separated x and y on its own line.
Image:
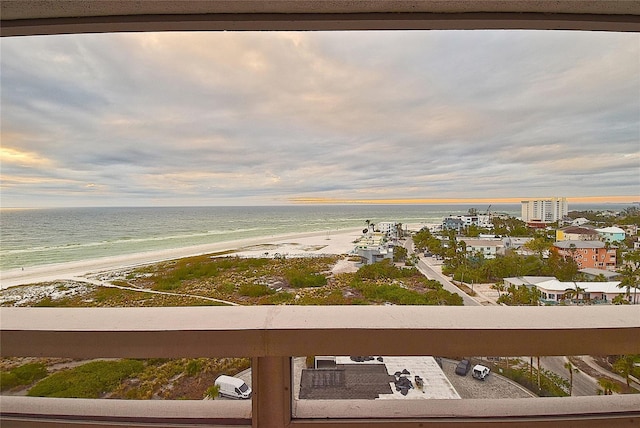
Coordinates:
554	291
373	247
388	227
460	222
544	210
487	247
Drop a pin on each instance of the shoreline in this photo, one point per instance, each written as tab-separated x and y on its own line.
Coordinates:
300	244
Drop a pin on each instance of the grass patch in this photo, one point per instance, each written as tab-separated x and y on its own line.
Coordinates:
48	302
201	267
90	380
22	375
299	278
255	290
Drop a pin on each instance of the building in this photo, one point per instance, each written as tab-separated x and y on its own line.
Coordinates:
580	221
593	273
612	234
373	247
390	228
487	247
553	291
460	222
544	210
588	254
576	233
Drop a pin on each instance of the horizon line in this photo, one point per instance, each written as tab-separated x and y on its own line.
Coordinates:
419	201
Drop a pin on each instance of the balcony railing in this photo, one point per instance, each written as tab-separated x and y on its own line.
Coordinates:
272	335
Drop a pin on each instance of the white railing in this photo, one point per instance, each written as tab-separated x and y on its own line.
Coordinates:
272	335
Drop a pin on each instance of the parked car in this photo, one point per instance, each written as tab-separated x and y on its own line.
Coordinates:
480	372
233	387
463	367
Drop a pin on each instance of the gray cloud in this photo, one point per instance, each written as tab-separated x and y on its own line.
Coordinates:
220	118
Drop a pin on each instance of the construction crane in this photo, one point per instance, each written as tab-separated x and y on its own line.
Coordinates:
488	212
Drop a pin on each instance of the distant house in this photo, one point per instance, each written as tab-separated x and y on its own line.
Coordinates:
576	233
373	248
514	243
453	223
580	221
612	234
489	248
554	291
458	223
587	254
593	273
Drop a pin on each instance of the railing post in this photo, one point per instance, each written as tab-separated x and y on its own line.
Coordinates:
271	380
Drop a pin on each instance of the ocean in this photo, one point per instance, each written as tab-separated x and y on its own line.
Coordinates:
32	237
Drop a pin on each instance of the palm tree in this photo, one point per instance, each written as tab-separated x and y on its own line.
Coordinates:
576	292
572	370
625	365
608	386
212	392
630	273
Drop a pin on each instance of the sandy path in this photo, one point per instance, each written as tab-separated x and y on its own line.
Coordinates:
324	242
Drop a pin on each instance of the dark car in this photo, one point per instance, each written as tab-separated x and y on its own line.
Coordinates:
463	367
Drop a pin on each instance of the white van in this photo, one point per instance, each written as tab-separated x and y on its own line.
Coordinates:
233	387
480	372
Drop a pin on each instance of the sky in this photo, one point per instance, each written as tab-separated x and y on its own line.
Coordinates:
272	118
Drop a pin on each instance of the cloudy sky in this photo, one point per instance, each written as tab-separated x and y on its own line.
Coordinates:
277	118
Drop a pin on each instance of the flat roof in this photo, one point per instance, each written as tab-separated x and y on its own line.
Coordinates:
436	384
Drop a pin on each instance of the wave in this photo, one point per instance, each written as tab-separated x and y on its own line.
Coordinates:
129	240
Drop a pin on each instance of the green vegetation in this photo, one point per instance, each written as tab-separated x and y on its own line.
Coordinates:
90	380
511	227
399	254
625	366
301	278
384	282
193	268
551	385
212	392
48	302
254	290
138	379
607	386
384	270
521	295
25	374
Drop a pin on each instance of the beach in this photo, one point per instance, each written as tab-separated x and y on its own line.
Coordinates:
289	245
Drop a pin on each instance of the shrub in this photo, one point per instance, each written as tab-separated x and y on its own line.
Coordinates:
254	290
90	380
22	375
194	367
212	392
384	269
299	278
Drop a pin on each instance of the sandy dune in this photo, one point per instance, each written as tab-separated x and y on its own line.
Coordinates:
295	244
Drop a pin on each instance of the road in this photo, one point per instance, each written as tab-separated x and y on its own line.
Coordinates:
427	265
583	384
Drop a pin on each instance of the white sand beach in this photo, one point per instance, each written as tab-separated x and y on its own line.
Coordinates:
290	245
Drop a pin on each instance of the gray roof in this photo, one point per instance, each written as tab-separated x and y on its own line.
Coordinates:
580	244
596	272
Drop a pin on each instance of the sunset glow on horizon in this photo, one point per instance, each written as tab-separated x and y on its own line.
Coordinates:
418	201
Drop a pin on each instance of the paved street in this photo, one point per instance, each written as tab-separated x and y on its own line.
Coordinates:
583	384
430	268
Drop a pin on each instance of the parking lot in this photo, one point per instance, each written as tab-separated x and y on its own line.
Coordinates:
494	386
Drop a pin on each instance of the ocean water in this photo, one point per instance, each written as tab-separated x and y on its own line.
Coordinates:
34	237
